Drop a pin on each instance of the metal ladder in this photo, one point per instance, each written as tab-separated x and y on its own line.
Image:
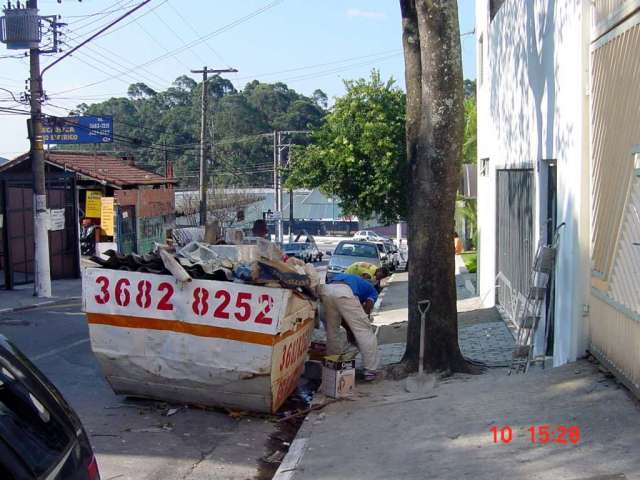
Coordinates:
542	272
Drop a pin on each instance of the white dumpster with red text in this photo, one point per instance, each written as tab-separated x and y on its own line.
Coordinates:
203	342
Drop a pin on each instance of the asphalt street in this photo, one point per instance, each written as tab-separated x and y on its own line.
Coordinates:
135	439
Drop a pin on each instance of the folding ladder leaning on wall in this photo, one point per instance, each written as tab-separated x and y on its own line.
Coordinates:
528	319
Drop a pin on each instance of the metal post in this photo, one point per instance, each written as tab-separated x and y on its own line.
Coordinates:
203	151
275	173
280	196
290	215
42	273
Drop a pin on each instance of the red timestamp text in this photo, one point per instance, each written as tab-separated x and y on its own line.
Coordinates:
540	434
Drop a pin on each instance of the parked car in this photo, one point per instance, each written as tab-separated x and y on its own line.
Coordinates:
386	255
307	252
393	255
349	251
41	437
368	236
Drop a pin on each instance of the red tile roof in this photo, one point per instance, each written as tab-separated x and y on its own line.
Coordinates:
101	167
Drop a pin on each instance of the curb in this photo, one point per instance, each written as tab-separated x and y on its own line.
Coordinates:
291	461
46	303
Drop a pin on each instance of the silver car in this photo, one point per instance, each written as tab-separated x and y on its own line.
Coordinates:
348	252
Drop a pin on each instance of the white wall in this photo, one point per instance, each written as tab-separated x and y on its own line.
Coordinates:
532	106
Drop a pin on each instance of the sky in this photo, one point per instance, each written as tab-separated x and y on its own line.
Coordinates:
307	44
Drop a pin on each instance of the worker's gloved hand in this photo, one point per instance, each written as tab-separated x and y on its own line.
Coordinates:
368	306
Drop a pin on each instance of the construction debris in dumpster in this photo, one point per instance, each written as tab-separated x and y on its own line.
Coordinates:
259	264
209	325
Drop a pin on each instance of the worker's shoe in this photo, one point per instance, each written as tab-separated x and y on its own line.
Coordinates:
369	375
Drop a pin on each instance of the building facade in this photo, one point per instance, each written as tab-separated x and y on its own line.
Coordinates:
558	136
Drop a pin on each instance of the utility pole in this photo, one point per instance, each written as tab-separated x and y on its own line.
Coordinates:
278	148
290	215
280	195
42	273
204	158
276	173
17	36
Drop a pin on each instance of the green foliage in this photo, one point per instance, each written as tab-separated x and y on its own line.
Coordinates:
468	208
147	119
470	145
358	153
470	260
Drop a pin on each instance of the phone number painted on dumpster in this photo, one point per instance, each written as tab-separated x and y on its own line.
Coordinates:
207	302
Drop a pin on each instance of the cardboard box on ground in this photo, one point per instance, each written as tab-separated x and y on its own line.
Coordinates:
338	376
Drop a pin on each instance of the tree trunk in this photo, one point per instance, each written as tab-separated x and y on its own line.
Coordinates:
435	131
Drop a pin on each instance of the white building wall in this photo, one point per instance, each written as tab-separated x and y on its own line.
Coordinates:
532	107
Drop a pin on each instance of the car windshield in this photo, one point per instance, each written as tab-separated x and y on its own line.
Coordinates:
293	247
357	250
34	434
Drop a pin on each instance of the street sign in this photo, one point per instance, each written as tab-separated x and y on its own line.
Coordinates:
68	130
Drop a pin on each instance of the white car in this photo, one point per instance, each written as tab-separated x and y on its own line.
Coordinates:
368	236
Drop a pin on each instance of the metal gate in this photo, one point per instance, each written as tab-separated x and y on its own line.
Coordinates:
19	225
614	315
126	229
515	243
17	249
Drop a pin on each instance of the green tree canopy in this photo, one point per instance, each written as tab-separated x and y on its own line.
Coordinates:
358	152
146	120
470	146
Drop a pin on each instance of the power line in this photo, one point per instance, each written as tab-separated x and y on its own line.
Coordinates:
157	42
324	64
14	111
188	24
310	76
179	37
146	12
97	60
189	45
102	12
244	138
139	142
103	50
95	35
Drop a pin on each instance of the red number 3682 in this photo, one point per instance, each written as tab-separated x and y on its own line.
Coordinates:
143	297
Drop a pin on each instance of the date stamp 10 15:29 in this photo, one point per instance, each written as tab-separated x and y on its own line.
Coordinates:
540	434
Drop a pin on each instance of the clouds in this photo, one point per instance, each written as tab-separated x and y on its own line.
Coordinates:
370	14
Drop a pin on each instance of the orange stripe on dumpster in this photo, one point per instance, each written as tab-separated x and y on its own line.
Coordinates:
196	329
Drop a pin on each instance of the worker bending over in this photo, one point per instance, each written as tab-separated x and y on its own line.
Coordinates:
369	272
350	298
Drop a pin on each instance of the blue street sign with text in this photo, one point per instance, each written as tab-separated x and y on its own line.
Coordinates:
65	130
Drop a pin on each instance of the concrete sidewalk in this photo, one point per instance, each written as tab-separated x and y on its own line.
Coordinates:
445	433
22	297
483	336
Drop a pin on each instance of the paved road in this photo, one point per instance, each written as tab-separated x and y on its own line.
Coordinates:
134	439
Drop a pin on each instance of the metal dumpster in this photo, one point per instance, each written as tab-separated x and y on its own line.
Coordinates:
203	342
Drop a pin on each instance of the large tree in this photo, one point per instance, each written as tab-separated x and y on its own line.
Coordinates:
358	153
435	129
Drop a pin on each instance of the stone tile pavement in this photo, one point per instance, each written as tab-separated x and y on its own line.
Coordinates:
483	336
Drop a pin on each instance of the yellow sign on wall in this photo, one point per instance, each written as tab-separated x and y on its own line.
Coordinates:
93	205
107	215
